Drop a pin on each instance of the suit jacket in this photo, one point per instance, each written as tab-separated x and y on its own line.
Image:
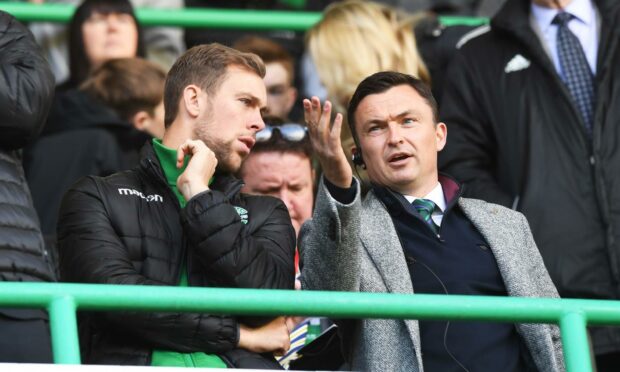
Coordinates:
355	247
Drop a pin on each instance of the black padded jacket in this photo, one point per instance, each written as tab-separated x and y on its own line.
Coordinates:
128	228
26	92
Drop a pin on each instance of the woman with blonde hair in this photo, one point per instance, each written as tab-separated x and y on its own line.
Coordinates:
355	39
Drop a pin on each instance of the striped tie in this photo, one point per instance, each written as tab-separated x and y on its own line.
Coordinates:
576	72
425	209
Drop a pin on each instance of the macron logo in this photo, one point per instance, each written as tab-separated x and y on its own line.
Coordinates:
517	63
148	198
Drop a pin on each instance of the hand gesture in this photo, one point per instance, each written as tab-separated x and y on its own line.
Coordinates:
272	337
199	170
325	139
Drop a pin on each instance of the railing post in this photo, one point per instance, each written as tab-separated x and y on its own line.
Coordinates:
63	327
575	342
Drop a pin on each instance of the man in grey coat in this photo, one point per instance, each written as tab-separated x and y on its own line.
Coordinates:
413	230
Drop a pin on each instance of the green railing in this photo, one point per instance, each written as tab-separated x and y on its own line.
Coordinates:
62	300
198	17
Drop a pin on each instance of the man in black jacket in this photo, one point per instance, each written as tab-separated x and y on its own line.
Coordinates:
521	135
26	91
179	219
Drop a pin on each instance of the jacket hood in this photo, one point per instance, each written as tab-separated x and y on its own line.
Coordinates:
74	109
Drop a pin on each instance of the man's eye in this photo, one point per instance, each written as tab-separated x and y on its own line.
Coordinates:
408	121
276	91
245	101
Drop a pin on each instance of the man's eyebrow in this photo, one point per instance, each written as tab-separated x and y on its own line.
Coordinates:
399	116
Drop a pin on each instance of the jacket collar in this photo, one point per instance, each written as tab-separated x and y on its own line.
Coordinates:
224	182
396	203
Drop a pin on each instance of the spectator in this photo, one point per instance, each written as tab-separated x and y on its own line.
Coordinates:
98	136
179	219
162	45
279	75
101	30
280	165
413	232
26	90
134	89
524	137
357	38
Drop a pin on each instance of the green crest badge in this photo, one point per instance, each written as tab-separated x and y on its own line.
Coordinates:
243	214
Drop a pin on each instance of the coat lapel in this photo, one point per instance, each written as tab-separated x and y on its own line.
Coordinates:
383	246
503	240
506	240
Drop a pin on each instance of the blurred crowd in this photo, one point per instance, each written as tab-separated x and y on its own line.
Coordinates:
103	108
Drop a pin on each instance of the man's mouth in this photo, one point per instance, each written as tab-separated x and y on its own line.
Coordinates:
247	141
397	157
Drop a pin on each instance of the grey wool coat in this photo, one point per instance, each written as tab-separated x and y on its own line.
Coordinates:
355	247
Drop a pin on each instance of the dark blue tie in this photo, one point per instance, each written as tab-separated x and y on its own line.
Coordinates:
576	72
425	208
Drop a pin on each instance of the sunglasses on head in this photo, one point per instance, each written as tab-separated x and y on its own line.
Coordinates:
290	132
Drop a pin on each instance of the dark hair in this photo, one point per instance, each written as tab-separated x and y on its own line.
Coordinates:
381	82
127	85
206	66
277	143
79	66
269	51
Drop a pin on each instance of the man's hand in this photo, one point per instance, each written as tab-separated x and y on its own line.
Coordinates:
325	139
200	169
272	337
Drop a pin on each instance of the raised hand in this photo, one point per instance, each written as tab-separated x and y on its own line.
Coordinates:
199	170
325	139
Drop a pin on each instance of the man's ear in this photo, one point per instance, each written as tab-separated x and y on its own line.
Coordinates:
141	120
192	95
441	134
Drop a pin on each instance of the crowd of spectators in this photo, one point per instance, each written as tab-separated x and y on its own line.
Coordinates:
205	157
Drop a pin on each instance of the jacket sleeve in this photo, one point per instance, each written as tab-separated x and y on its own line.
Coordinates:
26	85
539	276
471	152
330	246
91	252
258	254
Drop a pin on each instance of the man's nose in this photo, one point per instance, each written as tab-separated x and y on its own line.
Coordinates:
256	122
394	134
285	196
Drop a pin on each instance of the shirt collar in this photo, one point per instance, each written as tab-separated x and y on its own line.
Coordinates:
583	10
436	195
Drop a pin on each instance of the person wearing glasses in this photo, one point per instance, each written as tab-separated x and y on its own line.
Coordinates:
280	165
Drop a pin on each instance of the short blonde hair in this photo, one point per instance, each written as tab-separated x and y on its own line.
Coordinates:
355	39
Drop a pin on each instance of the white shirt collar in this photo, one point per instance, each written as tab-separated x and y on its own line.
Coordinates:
436	195
582	9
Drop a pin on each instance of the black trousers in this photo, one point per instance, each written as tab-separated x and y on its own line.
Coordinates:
24	340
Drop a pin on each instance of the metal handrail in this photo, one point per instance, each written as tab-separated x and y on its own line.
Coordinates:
62	300
199	17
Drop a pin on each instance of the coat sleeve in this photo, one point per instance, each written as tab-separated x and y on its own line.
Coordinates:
330	246
91	252
539	276
471	151
259	254
26	85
